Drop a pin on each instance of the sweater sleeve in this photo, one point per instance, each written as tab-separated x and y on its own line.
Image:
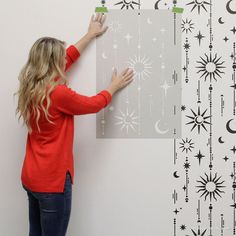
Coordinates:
70	102
72	54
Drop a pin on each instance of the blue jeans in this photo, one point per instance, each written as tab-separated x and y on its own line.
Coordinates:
49	213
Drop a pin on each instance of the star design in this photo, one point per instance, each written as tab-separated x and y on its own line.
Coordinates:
225	158
176	211
128	37
186	46
183	108
165	86
233	30
187	165
183	227
199	36
199	156
233	149
225	39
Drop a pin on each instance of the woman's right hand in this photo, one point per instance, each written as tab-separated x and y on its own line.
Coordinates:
121	80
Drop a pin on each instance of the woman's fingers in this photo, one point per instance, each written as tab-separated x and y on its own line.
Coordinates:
96	17
128	76
99	17
124	71
128	81
128	73
103	19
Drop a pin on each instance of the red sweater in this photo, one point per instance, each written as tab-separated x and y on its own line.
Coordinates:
49	154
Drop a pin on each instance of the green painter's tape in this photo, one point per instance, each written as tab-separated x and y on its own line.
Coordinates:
177	10
101	9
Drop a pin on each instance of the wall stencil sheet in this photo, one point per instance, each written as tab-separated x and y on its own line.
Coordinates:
149	42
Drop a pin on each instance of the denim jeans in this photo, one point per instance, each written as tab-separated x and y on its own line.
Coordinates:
49	213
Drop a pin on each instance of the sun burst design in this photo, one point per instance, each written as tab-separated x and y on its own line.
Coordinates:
141	66
115	26
198	4
127	4
127	120
210	186
198	232
198	120
187	25
210	67
186	145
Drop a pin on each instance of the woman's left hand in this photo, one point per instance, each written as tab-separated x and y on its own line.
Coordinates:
96	25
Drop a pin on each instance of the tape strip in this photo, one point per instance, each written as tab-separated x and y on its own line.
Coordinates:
177	10
101	9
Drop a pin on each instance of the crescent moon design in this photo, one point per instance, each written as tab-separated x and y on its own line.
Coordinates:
158	129
220	20
104	55
229	9
156	5
175	174
149	21
220	139
229	129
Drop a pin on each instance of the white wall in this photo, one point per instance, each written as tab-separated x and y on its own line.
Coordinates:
122	187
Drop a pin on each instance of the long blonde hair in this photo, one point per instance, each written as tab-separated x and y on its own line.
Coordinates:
45	63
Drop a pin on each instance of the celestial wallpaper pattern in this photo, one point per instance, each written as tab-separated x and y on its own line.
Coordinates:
203	197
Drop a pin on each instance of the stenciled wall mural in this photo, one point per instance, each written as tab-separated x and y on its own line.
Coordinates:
203	169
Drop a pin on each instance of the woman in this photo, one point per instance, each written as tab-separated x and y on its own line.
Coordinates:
48	107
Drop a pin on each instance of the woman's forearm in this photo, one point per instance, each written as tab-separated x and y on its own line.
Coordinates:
83	42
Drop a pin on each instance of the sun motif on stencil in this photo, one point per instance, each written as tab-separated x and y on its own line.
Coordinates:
198	4
127	120
115	26
210	67
141	66
198	120
127	4
210	187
